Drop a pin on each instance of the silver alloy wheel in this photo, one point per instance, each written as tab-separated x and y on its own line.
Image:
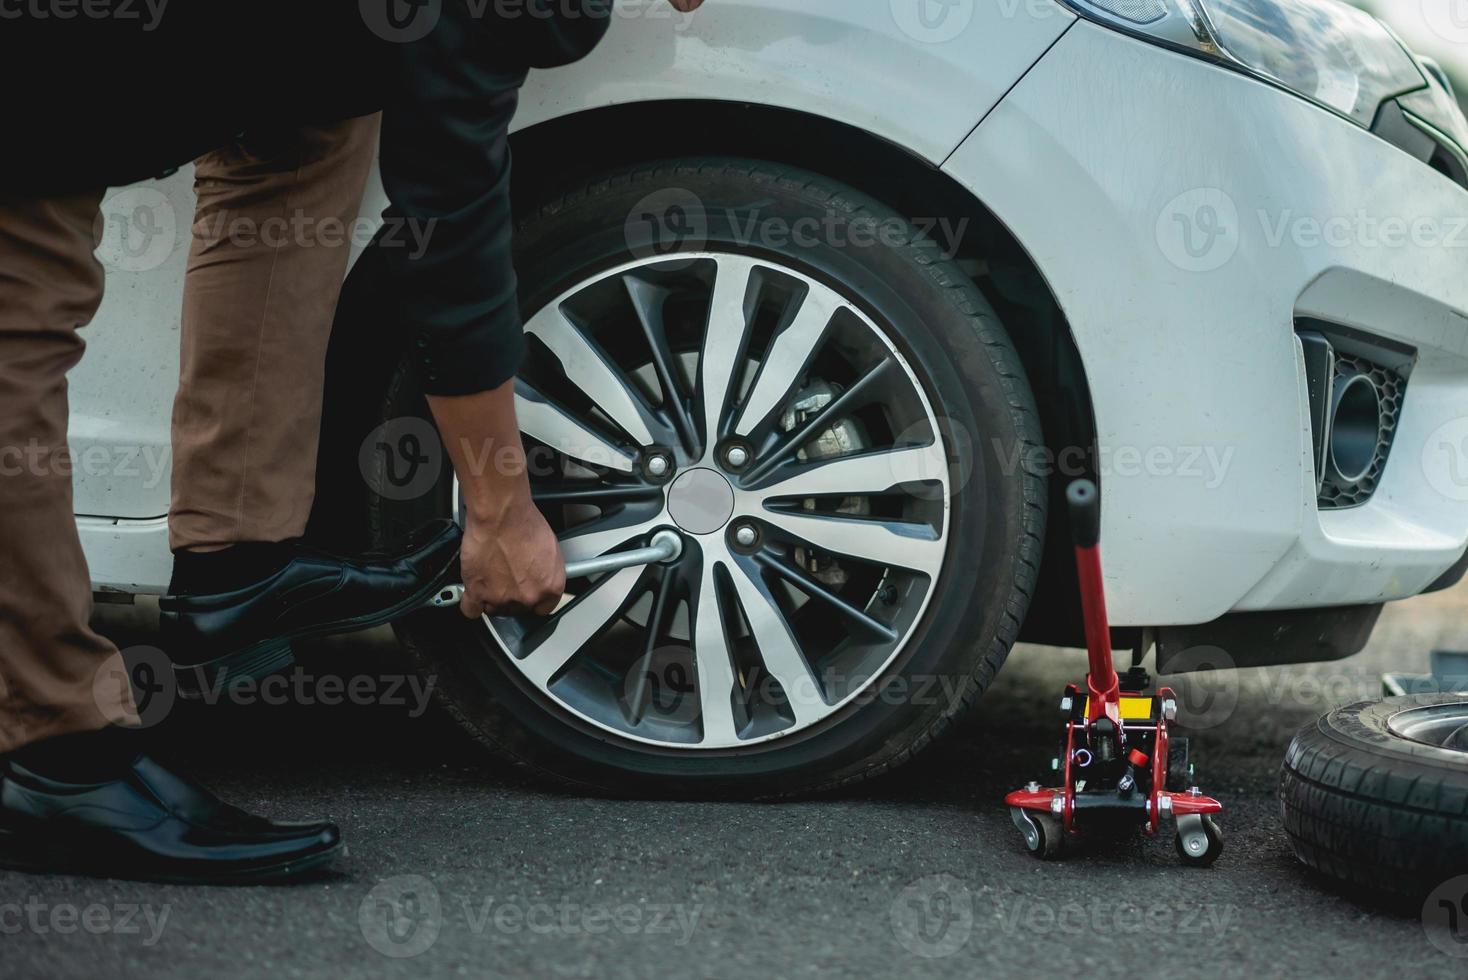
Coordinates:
814	519
1441	725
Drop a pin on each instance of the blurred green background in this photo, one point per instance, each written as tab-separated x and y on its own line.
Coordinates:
1436	28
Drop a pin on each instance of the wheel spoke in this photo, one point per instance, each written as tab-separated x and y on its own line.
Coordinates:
597	539
897	544
778	647
860	393
714	662
722	359
576	625
865	473
589	491
589	368
789	356
874	628
663	605
544	420
648	301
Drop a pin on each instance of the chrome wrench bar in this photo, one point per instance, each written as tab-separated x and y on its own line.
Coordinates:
666	546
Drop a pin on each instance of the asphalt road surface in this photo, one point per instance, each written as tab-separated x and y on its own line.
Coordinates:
920	875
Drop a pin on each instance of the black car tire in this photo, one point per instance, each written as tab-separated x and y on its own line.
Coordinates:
949	333
1380	814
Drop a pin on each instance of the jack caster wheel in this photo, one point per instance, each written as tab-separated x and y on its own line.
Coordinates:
1043	834
1199	841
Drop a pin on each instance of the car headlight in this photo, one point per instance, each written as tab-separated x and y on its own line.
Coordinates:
1324	50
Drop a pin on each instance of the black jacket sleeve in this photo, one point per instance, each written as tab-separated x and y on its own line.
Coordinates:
445	163
446	169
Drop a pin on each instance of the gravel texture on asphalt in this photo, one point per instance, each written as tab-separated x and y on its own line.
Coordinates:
458	866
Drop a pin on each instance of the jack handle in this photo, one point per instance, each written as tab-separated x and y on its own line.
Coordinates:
1102	684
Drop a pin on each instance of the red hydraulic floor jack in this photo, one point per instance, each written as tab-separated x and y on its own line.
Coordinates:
1118	763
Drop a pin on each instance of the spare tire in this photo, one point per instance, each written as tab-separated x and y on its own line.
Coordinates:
1375	795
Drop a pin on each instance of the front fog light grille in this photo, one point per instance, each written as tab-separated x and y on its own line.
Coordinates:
1342	487
1357	388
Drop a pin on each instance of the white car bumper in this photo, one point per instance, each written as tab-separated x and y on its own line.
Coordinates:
1186	218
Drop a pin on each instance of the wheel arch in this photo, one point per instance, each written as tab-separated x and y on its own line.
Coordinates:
997	262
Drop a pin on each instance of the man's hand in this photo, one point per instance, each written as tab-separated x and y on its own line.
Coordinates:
511	559
511	563
686	6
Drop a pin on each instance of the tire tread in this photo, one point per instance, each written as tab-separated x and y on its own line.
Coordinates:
1362	806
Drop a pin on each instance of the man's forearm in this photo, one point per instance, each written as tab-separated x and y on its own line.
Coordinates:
482	437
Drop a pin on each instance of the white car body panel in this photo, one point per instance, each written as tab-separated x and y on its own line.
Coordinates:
1104	132
849	61
853	62
1116	131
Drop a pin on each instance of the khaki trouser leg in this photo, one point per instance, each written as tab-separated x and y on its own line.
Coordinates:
272	237
56	676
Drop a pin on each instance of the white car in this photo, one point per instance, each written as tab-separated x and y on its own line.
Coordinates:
845	293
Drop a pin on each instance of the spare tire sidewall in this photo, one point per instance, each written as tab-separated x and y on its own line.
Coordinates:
1366	725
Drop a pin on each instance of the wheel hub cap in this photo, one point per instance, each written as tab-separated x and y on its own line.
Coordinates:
701	501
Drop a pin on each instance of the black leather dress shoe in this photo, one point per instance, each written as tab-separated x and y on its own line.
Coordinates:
313	594
151	824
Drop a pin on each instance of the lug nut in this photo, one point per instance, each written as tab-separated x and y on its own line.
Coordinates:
736	457
746	535
658	466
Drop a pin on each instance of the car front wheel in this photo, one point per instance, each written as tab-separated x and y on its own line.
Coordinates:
826	411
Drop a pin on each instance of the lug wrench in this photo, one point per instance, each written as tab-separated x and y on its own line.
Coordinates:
666	546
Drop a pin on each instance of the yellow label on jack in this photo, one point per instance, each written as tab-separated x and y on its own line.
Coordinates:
1132	709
